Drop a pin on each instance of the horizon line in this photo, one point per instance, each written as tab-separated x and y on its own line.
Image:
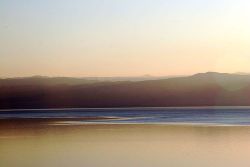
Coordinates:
127	76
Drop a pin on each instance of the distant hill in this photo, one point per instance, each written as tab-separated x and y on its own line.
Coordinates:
204	89
43	80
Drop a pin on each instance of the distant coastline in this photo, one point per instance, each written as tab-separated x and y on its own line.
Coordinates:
124	108
199	90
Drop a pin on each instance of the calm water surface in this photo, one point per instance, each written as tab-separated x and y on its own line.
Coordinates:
139	138
205	115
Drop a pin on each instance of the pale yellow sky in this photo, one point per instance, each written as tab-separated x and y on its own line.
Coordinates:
131	38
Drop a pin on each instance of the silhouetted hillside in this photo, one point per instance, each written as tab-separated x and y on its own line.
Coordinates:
206	89
41	80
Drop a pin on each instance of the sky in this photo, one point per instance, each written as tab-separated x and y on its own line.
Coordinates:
123	38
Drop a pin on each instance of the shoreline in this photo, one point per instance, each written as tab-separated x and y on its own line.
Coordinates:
121	108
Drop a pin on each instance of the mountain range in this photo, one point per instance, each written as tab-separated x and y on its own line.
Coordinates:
203	89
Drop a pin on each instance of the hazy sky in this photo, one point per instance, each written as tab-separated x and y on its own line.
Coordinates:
123	37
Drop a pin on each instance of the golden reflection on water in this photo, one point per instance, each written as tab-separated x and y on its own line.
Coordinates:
124	146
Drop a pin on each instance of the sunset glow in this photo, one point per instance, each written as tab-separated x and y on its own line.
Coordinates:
123	38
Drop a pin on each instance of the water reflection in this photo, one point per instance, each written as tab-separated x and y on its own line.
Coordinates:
124	146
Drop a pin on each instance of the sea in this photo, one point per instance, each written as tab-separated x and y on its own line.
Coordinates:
210	116
126	137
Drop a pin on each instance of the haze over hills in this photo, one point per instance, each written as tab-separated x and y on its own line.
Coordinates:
44	80
203	89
